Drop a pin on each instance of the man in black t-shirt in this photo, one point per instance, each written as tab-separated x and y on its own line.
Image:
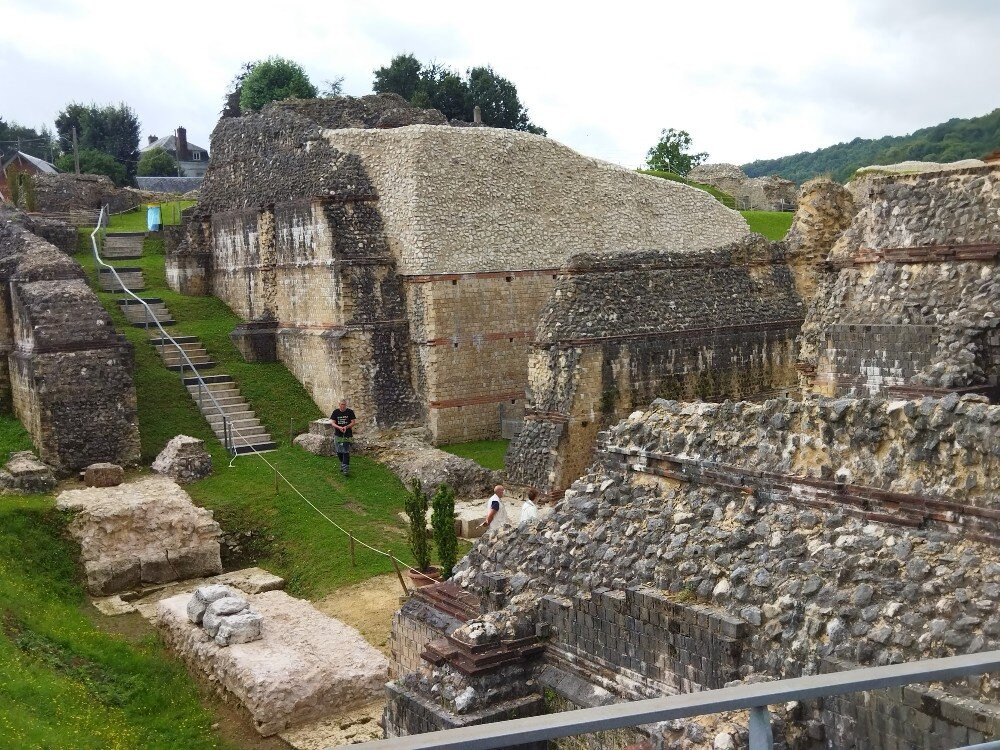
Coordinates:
343	433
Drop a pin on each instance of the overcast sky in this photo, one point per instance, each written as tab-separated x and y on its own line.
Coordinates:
747	80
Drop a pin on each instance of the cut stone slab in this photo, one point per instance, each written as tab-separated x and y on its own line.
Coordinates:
184	459
103	475
145	532
305	665
363	724
112	606
25	473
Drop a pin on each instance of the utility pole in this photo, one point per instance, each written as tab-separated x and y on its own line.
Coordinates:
76	152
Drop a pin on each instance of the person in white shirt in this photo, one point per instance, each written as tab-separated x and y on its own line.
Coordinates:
496	515
529	510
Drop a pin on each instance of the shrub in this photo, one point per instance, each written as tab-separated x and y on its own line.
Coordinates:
94	162
28	190
443	523
156	163
415	505
15	190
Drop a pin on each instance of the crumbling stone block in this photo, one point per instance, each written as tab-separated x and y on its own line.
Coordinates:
25	473
103	475
204	596
218	610
242	627
184	459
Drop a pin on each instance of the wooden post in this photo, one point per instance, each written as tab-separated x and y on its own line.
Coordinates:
76	152
354	563
399	574
275	480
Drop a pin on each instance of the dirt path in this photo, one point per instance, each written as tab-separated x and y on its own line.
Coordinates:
368	606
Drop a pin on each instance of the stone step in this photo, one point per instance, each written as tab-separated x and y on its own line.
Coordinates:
132	278
244	415
228	402
242	450
170	355
243	433
212	381
185	341
206	364
123	245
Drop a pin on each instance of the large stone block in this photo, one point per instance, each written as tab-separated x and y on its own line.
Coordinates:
184	459
103	474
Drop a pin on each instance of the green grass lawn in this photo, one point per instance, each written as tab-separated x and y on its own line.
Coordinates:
488	453
63	682
135	220
287	536
772	224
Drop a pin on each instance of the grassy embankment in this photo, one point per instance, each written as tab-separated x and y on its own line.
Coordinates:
772	224
63	682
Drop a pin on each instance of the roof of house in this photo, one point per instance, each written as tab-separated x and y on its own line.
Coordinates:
169	143
168	184
40	164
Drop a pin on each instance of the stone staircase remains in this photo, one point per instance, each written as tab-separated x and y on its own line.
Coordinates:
247	432
139	317
123	245
131	278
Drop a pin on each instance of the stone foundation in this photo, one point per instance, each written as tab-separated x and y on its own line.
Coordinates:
305	665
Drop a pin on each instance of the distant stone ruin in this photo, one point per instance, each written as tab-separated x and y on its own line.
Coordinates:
405	265
770	193
77	198
66	373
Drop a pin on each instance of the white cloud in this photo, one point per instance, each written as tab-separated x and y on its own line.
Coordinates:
746	80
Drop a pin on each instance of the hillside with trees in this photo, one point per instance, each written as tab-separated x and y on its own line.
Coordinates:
955	139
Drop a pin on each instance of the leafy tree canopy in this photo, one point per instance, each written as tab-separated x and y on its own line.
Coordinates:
93	161
438	86
157	163
38	143
955	139
111	130
672	153
272	80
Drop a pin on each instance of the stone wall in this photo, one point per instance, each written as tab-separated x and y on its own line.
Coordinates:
406	263
770	193
745	541
619	332
907	304
67	375
77	198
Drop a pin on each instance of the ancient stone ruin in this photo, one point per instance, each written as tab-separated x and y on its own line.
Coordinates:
405	265
715	539
770	193
65	372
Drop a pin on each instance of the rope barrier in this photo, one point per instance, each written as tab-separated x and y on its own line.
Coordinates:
396	562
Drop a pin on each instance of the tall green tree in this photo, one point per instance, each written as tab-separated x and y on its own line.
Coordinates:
438	86
401	76
15	137
272	80
112	130
93	161
672	153
157	163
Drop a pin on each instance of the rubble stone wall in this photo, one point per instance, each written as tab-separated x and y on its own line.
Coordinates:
908	302
428	248
770	193
617	333
66	374
774	540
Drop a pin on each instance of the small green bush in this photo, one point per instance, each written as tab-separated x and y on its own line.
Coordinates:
415	505
443	523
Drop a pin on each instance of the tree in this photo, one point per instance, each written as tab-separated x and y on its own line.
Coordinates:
15	137
157	163
332	88
440	87
415	506
497	98
401	76
671	153
111	130
272	80
93	161
443	523
231	107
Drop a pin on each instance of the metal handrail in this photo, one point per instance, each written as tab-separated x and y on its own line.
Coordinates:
756	697
227	438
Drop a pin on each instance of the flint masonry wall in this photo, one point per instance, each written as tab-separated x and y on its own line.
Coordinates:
618	332
67	374
865	535
908	303
406	266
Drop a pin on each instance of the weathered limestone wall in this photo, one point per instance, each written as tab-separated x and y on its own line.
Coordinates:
770	193
773	539
909	301
375	240
77	198
66	373
619	332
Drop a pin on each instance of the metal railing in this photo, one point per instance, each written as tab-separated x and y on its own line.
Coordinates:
203	389
755	698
